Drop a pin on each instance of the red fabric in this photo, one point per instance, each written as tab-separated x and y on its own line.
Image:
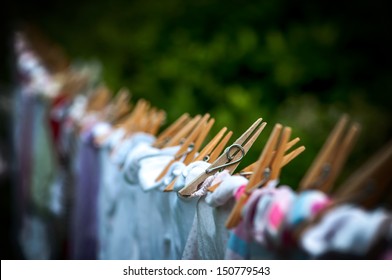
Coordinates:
55	123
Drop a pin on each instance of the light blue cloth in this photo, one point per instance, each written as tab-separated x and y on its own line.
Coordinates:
209	235
142	168
109	191
122	242
183	209
154	203
120	222
302	206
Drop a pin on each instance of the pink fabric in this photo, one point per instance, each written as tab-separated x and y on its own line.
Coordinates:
275	216
320	205
240	191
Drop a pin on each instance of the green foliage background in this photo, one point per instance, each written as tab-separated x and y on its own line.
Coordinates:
300	63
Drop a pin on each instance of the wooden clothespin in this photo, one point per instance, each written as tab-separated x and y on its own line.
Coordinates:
115	111
98	100
135	119
120	106
369	184
158	120
187	147
127	122
206	152
147	119
248	171
331	158
217	151
289	157
199	141
168	133
230	158
267	167
366	187
183	132
71	82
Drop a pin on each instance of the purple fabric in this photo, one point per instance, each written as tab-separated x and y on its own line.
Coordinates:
84	239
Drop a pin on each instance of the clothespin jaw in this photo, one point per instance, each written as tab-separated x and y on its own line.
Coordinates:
331	158
368	185
232	156
233	166
289	157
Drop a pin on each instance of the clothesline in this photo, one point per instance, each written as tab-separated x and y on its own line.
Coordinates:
95	181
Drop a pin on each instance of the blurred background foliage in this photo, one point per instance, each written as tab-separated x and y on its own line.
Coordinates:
299	63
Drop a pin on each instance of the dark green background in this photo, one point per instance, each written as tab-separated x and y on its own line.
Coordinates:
300	63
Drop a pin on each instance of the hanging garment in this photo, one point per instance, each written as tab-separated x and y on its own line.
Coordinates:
183	209
109	190
305	207
84	239
43	158
156	202
208	237
147	165
241	244
121	216
270	217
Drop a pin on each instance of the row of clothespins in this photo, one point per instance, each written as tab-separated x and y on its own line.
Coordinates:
189	133
368	186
